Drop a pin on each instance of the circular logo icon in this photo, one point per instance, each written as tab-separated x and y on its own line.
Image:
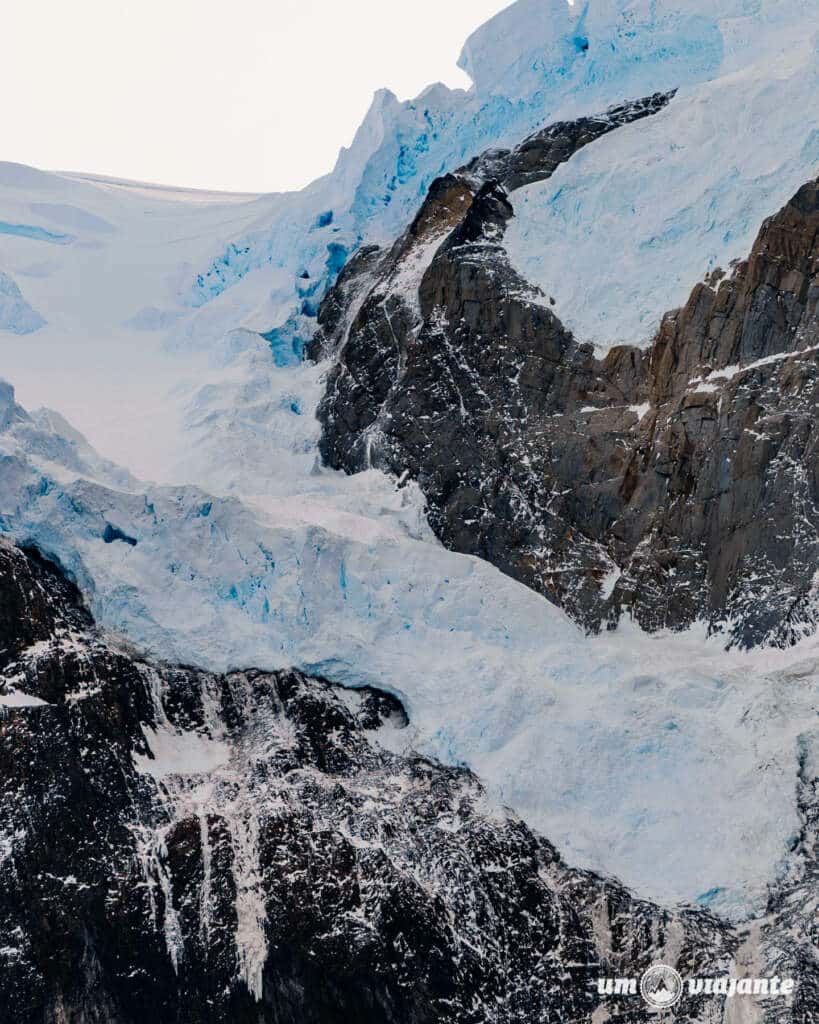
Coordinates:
661	987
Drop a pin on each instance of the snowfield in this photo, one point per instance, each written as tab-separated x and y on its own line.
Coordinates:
186	495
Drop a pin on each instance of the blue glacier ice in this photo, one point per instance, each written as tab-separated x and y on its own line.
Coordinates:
538	61
16	315
35	232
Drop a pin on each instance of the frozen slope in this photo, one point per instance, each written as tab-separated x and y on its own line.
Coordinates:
675	197
661	760
102	264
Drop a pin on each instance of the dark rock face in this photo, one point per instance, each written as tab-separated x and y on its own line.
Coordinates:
177	846
792	903
677	483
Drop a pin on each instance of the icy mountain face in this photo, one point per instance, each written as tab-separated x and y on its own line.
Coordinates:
140	284
544	60
263	847
675	199
269	559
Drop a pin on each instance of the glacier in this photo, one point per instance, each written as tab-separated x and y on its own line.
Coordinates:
172	322
660	759
154	283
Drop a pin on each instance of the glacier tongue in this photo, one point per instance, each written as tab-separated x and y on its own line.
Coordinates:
632	753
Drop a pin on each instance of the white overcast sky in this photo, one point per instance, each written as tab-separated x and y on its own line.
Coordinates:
246	95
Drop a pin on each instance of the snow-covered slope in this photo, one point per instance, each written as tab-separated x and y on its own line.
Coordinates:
102	264
679	196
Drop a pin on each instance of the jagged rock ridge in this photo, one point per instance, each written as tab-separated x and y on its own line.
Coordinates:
677	483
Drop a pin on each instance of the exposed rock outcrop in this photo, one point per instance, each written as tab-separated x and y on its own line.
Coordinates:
677	483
